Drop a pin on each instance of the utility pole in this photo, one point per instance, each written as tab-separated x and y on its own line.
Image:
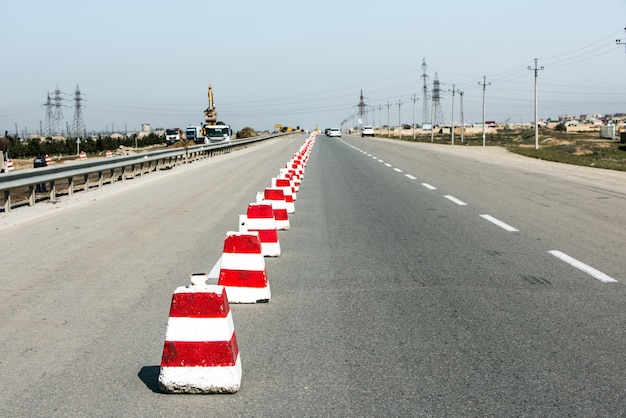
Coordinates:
432	116
399	118
414	100
484	84
388	133
452	122
462	119
536	68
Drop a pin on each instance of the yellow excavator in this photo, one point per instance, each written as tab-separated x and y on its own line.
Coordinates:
210	114
212	130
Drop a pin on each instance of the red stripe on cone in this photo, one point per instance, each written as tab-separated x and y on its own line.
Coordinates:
200	353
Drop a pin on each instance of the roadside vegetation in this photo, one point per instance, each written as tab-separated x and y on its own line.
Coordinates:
585	149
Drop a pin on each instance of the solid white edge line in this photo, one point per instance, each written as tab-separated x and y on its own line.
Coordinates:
596	274
455	200
499	223
411	177
428	186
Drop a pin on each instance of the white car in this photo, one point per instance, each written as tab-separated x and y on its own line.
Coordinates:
334	132
367	131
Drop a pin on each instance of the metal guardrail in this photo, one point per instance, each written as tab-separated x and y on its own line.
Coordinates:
116	168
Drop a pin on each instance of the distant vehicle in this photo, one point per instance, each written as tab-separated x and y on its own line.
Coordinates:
326	131
334	132
173	135
219	132
367	131
194	133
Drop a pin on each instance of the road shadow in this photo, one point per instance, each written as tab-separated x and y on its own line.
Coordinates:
149	375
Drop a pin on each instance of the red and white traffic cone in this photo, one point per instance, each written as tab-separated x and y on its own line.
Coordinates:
200	354
276	198
242	269
285	185
260	218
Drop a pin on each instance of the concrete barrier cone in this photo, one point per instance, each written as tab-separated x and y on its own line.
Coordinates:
276	198
260	218
242	269
287	174
200	354
285	185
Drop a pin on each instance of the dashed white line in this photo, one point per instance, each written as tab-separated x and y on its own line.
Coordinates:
428	186
455	200
411	177
498	222
388	165
397	169
596	274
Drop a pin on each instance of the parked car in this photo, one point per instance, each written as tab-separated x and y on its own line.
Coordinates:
367	131
334	132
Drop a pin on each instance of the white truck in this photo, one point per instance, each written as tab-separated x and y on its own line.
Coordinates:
173	135
194	133
220	132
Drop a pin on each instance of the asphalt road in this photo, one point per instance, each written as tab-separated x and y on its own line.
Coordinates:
416	280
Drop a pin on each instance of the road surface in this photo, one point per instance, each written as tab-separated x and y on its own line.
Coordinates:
416	280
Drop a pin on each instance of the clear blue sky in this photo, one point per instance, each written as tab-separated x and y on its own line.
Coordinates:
304	63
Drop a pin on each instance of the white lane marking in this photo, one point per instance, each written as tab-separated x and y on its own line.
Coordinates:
428	186
411	177
388	165
596	274
498	222
455	200
380	161
397	169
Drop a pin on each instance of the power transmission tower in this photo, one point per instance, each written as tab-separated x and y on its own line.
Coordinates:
362	109
536	103
437	112
58	112
78	127
49	116
425	102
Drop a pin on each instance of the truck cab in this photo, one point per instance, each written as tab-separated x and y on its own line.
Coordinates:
217	133
173	135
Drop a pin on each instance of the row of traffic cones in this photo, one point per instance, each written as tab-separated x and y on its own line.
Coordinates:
200	353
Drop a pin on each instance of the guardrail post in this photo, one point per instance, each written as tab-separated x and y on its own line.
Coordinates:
70	186
7	201
53	190
86	182
31	195
100	179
